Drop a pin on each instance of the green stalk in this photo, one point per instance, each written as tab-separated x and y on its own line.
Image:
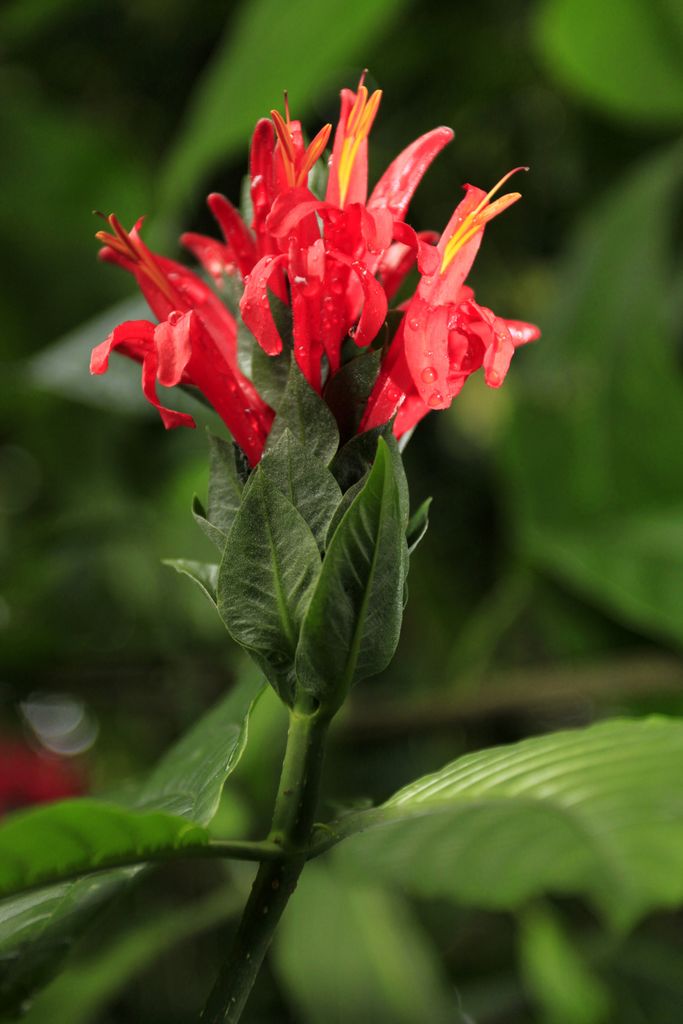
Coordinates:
276	880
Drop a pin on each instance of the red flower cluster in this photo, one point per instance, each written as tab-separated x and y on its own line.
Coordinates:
27	777
336	262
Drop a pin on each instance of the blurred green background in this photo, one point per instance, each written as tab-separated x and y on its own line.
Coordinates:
549	590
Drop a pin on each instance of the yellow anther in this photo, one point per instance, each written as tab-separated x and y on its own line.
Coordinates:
356	130
482	213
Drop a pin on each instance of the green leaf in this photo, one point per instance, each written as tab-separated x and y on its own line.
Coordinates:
594	452
269	568
352	626
204	574
36	930
418	525
594	812
625	61
347	392
279	34
225	487
556	974
48	844
347	500
357	946
303	412
305	481
355	458
199	513
268	373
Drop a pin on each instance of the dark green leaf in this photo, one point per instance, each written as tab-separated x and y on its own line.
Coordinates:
347	392
225	488
594	812
355	458
347	500
215	535
204	574
303	412
48	844
269	568
305	481
352	625
418	525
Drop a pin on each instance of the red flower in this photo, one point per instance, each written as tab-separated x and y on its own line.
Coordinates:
445	335
336	261
27	777
194	343
332	249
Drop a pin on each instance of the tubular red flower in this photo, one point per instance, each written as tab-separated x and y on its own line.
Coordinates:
336	262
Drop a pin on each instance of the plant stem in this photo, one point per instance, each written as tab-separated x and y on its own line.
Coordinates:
275	881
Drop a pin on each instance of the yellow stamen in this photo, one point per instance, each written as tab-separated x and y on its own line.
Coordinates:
482	213
313	153
122	243
286	147
356	130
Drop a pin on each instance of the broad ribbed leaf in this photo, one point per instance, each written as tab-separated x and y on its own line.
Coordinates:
305	481
352	625
36	930
269	568
596	812
303	412
60	840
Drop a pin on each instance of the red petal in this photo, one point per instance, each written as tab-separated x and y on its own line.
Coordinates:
375	305
396	187
427	255
392	386
358	183
521	332
134	338
235	232
426	346
174	348
290	209
170	418
216	258
261	170
255	307
443	288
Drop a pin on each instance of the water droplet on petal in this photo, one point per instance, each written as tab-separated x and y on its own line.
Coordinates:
435	400
415	323
428	374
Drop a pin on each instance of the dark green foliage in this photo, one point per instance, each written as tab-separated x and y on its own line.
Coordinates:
269	568
352	625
